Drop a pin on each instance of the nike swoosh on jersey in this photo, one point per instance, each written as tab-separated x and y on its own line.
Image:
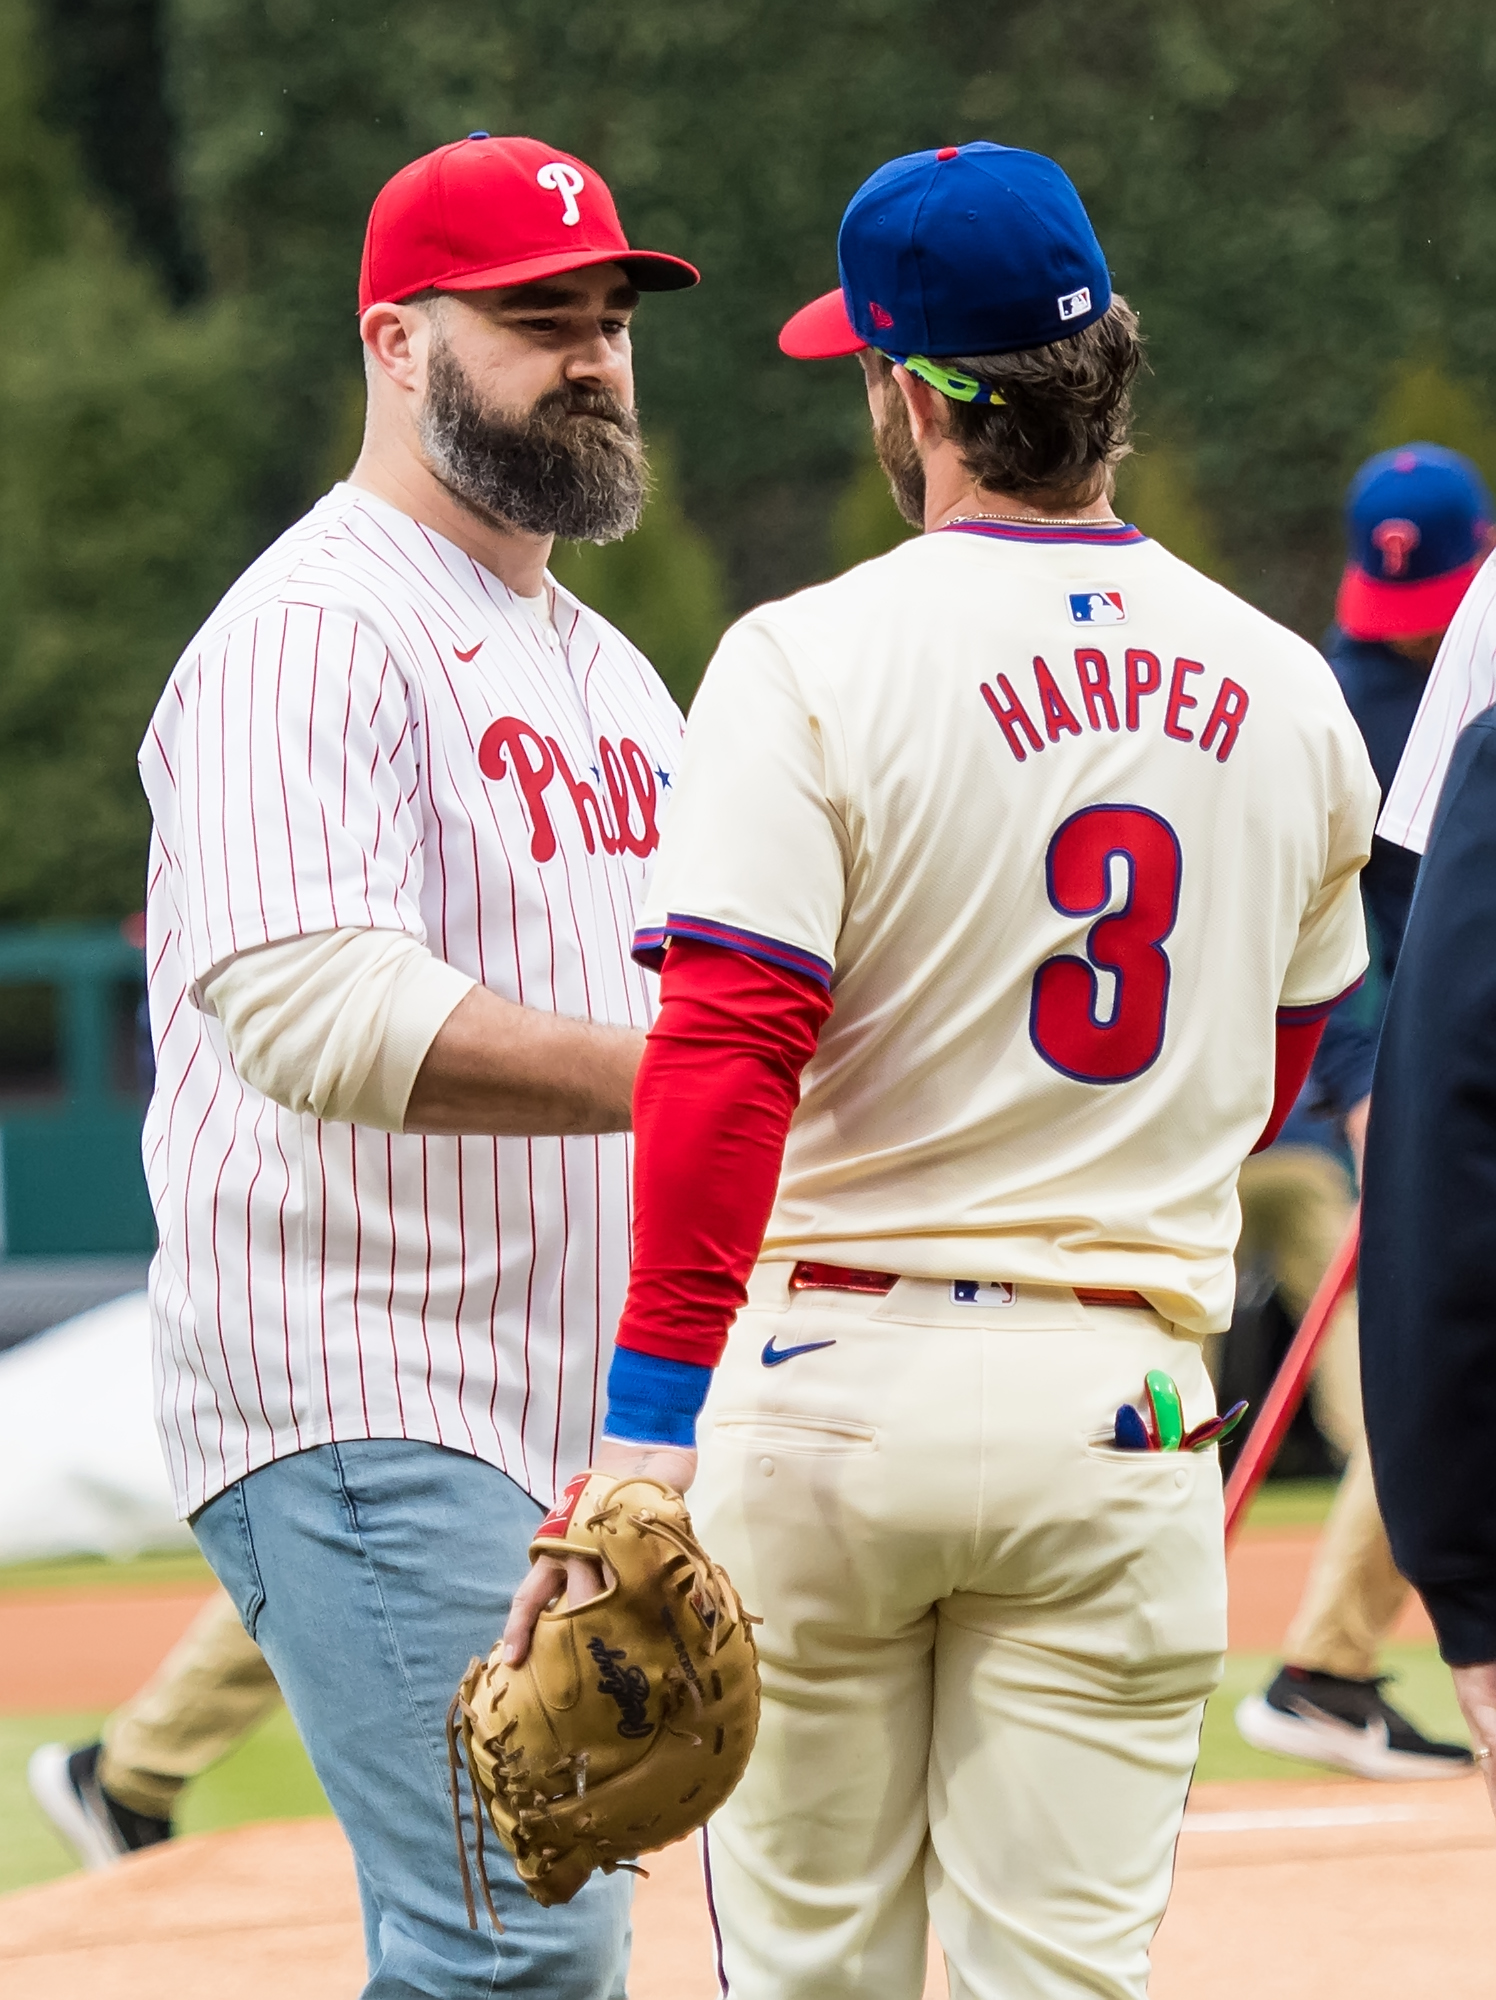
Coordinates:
772	1355
470	654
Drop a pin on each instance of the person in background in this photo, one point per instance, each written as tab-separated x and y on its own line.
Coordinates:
1418	524
1428	1326
117	1794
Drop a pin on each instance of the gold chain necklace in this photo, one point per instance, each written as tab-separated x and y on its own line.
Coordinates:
1040	520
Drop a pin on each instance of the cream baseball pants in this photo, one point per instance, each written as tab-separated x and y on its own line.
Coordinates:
988	1640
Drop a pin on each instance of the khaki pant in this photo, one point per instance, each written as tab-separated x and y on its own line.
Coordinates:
209	1690
988	1640
1295	1207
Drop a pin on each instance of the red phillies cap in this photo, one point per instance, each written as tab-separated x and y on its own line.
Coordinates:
485	212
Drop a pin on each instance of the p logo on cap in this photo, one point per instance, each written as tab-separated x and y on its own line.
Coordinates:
1395	541
568	183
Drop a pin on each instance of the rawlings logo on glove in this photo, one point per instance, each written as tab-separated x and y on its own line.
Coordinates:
629	1686
633	1715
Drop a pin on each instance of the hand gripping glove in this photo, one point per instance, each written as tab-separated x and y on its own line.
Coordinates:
633	1715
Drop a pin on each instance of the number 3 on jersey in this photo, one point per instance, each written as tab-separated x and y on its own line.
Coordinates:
1064	1024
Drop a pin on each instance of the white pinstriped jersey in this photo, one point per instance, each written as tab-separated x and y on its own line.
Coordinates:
370	730
1462	683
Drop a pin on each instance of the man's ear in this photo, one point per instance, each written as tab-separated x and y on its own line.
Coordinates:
929	416
396	340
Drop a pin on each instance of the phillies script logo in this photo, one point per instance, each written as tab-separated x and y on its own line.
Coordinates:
511	748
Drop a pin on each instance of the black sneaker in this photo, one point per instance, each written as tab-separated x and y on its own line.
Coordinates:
1348	1724
100	1831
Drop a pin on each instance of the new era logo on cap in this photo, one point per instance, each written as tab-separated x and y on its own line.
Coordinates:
1100	605
1073	304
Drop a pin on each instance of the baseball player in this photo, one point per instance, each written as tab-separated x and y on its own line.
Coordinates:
1418	522
405	789
1008	880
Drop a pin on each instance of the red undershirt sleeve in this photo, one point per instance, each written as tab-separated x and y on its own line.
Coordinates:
716	1090
1296	1044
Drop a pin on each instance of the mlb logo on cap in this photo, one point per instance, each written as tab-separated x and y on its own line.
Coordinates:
1100	605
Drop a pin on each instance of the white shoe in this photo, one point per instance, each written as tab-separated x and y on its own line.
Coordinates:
99	1829
1347	1724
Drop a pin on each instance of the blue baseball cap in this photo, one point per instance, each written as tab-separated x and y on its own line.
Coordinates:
978	249
1419	524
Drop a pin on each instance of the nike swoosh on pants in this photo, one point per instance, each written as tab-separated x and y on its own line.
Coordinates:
772	1355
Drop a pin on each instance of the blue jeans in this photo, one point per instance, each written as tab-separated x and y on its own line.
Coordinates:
370	1573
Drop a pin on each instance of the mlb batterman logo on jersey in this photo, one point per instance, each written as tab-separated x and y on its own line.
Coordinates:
1099	604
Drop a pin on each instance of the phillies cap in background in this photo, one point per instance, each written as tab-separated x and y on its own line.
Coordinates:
1419	524
978	249
484	212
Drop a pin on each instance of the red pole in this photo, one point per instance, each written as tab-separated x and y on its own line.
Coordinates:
1292	1379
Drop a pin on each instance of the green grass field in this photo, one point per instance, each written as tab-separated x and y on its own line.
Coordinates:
268	1776
87	1575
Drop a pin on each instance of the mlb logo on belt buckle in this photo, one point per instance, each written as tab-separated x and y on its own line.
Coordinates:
969	1292
1100	605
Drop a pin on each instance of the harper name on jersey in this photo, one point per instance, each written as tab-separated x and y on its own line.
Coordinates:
372	731
1139	675
1061	895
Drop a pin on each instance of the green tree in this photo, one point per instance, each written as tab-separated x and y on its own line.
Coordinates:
1424	403
662	586
1300	200
865	522
124	434
1156	489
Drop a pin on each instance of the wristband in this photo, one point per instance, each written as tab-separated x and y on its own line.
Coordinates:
654	1401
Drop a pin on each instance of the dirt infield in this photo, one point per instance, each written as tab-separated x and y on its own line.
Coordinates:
1267	1571
59	1650
62	1649
1298	1891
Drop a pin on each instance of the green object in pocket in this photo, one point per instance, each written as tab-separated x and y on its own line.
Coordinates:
1168	1411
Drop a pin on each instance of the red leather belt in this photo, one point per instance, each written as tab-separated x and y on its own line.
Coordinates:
807	1277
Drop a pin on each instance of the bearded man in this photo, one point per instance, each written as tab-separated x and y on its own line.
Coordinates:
405	789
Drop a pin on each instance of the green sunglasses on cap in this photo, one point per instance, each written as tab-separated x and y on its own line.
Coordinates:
949	381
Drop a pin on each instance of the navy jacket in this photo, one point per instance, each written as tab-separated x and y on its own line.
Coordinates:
1383	691
1428	1240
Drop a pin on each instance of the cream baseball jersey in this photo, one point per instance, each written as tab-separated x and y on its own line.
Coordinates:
1463	682
1065	827
371	731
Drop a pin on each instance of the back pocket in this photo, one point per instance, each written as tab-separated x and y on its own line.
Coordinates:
757	1432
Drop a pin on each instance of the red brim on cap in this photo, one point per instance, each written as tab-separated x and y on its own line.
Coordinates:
821	331
646	271
1369	607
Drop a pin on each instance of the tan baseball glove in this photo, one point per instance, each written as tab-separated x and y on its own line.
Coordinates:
633	1715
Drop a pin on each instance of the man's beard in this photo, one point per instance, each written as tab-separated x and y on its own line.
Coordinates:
571	466
899	457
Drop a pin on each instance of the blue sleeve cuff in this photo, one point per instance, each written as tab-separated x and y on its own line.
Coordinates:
654	1401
